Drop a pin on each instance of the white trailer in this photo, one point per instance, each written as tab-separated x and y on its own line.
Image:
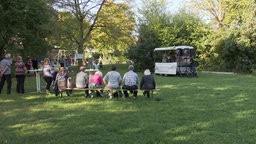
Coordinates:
174	60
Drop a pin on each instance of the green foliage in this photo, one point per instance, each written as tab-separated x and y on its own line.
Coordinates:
233	46
159	29
23	26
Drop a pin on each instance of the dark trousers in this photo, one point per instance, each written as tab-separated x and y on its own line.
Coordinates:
48	81
86	92
146	93
20	83
133	89
9	83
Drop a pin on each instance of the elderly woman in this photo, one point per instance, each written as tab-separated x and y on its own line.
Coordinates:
20	73
96	82
61	82
48	74
147	83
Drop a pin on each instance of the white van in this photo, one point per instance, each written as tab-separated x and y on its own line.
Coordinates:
175	60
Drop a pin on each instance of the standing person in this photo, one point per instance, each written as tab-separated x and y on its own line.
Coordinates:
147	83
34	63
100	62
62	61
20	73
130	81
96	82
48	76
82	80
28	64
69	61
112	80
60	82
6	73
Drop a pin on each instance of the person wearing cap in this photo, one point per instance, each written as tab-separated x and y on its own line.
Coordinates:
82	80
112	80
147	83
6	73
130	82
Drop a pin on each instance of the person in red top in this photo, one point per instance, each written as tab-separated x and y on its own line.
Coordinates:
96	82
68	64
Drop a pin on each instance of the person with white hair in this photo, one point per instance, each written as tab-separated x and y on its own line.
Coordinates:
147	83
6	73
130	81
96	81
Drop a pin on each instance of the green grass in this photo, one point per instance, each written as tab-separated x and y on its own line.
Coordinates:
211	109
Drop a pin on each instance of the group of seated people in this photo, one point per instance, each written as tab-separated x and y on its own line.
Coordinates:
114	83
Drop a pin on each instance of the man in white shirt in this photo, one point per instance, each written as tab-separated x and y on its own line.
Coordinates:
112	80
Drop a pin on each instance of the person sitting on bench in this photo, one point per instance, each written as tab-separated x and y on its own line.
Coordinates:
130	81
147	83
96	82
82	80
112	80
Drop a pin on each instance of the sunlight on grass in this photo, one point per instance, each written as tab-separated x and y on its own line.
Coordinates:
168	86
244	114
7	101
211	109
181	138
178	130
240	98
220	88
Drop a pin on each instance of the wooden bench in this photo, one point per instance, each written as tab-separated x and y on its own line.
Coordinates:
112	90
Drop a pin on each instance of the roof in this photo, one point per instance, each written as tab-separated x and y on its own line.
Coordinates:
173	48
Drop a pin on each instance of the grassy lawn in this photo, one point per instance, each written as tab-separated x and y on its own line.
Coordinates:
211	109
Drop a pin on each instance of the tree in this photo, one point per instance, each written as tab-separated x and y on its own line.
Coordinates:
114	30
215	7
23	26
86	15
233	46
157	28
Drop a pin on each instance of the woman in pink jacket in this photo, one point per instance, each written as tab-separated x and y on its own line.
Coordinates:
96	82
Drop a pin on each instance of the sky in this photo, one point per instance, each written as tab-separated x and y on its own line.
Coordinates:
173	5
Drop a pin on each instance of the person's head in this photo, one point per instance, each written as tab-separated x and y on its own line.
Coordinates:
62	69
46	61
19	58
131	67
147	72
113	67
8	56
98	73
82	68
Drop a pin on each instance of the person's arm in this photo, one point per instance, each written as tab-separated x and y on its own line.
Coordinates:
4	70
141	83
154	83
105	79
